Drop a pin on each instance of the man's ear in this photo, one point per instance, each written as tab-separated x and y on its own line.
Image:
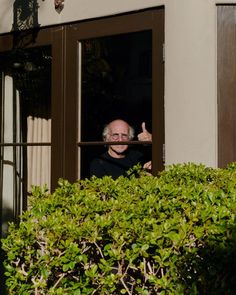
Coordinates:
105	139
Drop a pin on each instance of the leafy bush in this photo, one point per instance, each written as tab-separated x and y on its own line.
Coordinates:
171	234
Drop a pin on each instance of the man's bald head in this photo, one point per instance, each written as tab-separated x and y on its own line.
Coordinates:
113	126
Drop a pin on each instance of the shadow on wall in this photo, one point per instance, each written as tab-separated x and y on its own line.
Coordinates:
25	18
25	15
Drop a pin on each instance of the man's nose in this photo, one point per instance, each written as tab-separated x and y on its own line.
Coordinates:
122	137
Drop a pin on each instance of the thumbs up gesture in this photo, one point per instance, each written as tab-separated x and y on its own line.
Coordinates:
144	135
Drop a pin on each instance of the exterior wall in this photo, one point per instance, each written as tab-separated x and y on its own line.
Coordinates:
190	66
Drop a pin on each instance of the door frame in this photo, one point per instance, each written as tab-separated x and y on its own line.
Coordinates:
133	22
53	37
63	40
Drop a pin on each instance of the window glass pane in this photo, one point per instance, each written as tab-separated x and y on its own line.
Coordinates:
25	118
116	83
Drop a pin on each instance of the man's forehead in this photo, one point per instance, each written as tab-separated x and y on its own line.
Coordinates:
119	125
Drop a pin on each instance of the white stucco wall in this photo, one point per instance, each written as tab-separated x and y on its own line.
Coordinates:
190	83
190	66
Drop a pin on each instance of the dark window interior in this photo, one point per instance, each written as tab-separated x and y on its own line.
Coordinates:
116	83
31	72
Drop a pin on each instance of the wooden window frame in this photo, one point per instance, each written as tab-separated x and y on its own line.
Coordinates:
52	37
134	22
63	40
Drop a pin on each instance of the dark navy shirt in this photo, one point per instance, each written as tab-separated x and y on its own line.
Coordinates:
115	167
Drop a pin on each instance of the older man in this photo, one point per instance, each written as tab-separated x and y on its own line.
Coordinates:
118	158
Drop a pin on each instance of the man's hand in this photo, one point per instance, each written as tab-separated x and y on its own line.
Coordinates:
144	135
148	166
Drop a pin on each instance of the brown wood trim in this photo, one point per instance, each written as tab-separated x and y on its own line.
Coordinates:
98	143
6	42
58	106
226	86
70	156
158	124
26	39
121	24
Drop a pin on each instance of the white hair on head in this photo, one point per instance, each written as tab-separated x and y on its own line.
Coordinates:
105	132
107	129
131	132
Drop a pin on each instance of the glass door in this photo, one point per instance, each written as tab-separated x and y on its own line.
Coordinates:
25	124
31	102
116	83
115	70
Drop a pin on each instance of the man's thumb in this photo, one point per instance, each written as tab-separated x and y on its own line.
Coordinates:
144	126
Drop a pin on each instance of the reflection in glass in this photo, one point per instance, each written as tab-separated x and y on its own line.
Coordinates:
25	118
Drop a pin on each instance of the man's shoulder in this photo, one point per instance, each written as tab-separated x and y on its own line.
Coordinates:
133	152
135	155
100	158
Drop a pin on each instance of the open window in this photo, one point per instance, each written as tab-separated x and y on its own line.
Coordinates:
115	69
116	82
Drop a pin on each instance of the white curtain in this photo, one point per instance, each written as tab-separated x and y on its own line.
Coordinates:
11	156
14	130
38	157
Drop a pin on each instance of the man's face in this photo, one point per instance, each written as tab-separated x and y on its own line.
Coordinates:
118	131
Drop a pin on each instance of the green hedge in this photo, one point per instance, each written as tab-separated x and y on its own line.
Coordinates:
171	234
